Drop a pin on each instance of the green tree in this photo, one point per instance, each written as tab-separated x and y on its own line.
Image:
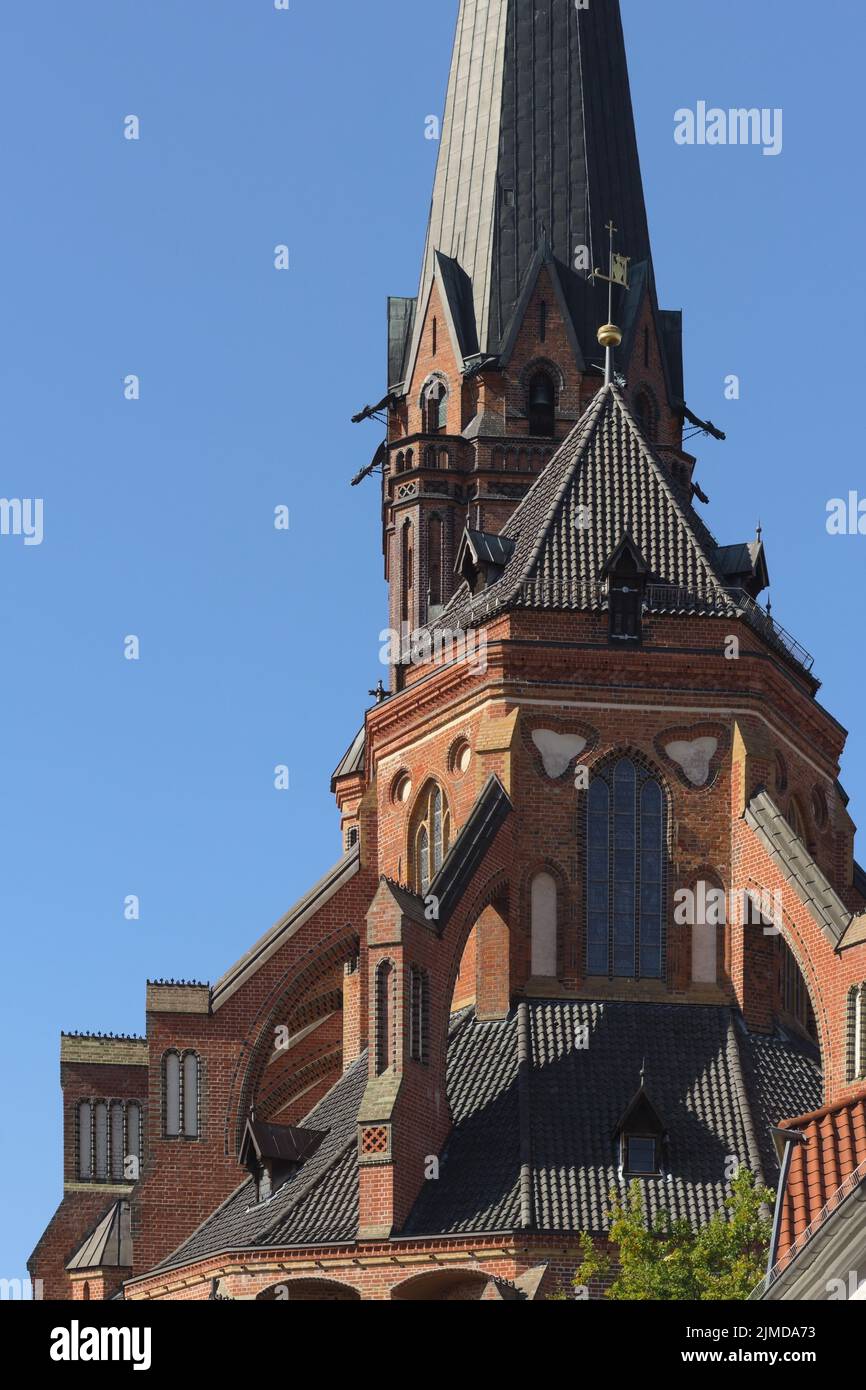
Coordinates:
668	1261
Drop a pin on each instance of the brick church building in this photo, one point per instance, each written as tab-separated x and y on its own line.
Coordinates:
596	915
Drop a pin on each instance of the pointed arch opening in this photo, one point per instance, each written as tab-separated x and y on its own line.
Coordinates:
626	872
429	836
541	405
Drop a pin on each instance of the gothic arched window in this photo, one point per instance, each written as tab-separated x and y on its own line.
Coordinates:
431	835
626	861
435	407
541	405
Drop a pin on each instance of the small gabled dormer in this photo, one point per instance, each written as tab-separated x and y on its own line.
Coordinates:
641	1138
273	1153
626	573
481	558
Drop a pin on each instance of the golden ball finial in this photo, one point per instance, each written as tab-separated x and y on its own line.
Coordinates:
609	336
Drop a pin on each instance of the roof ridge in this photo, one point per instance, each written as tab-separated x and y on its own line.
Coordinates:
580	436
659	470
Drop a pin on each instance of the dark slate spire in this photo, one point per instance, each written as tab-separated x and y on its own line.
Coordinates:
538	152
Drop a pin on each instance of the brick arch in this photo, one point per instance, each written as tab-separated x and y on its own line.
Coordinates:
299	1288
810	969
543	364
496	893
443	1285
287	996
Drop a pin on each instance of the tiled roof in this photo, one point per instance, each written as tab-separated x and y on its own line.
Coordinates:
834	1148
603	483
535	1113
788	852
573	1096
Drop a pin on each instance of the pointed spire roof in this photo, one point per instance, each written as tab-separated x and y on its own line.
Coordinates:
604	487
538	148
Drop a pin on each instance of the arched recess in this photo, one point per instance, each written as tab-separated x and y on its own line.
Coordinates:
443	1286
310	977
545	895
309	1291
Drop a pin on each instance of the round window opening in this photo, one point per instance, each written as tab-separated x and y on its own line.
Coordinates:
402	788
461	756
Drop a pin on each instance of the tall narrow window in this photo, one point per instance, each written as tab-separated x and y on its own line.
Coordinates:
419	1004
543	908
856	1069
542	406
171	1083
384	1017
434	561
406	577
430	835
435	335
118	1145
100	1146
85	1141
133	1136
435	408
424	858
598	876
542	321
190	1085
626	836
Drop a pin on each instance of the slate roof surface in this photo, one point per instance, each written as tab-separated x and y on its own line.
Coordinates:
575	1097
605	476
788	852
535	1112
538	139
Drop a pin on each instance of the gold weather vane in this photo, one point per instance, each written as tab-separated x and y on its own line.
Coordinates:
609	336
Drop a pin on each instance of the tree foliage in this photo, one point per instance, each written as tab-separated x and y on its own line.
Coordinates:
668	1261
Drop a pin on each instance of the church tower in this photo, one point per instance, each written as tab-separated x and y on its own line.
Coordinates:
496	358
597	917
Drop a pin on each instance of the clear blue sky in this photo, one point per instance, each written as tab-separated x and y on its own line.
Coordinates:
260	127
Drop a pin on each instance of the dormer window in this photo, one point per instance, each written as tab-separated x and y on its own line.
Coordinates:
641	1137
274	1153
640	1158
626	574
542	406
